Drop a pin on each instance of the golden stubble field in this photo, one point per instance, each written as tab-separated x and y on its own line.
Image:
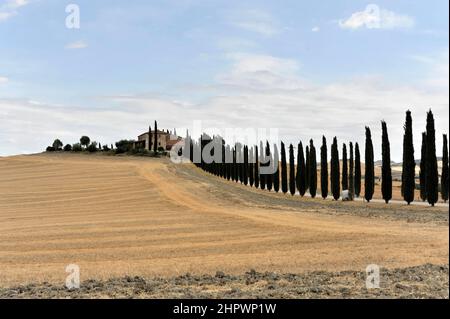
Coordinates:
116	216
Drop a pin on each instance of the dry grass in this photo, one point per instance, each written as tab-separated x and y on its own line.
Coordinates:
116	216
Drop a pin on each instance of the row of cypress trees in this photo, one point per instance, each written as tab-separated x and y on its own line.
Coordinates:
244	165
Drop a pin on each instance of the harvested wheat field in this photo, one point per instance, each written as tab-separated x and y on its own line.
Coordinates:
135	216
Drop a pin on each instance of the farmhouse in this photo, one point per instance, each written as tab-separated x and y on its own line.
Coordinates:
165	139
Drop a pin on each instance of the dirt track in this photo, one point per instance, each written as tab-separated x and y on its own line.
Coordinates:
147	217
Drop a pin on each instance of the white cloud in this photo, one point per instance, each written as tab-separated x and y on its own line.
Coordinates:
76	45
10	7
257	91
3	79
315	29
255	20
374	17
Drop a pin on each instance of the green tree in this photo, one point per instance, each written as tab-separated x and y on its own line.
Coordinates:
444	175
422	174
351	176
84	141
357	171
431	173
324	168
155	142
369	176
150	138
386	170
409	165
256	167
276	163
284	184
68	148
269	162
307	168
57	144
291	170
312	169
335	170
301	171
344	168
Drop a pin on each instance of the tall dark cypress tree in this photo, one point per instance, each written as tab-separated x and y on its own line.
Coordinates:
234	168
276	175
245	165
312	170
409	165
324	168
386	170
351	175
284	184
256	167
269	162
251	168
335	170
369	176
155	143
301	171
291	170
444	175
423	169
344	168
298	174
307	169
263	162
431	173
357	171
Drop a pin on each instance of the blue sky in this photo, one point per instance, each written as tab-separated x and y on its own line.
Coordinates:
306	67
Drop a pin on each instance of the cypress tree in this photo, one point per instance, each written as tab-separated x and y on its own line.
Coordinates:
369	176
324	168
256	167
284	185
335	170
268	176
357	171
344	168
409	165
351	176
386	170
251	169
301	171
276	175
431	172
307	170
444	175
155	142
228	165
245	165
234	165
262	177
312	170
422	175
298	174
291	170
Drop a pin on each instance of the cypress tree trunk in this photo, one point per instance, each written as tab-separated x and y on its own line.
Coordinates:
324	168
301	171
422	176
307	169
369	176
256	167
284	185
291	170
444	175
251	169
276	175
431	173
312	170
335	170
344	168
351	176
357	171
268	176
386	170
155	143
409	165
